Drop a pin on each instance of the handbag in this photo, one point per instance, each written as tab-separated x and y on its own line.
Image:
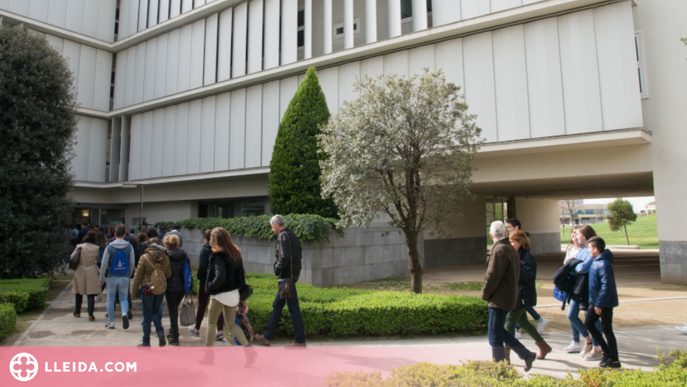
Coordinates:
187	314
285	285
75	258
246	290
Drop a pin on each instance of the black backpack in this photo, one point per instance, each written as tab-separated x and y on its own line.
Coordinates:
564	279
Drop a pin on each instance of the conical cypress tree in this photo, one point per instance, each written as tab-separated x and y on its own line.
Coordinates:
295	170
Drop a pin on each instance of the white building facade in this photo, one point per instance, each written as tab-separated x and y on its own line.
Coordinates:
183	98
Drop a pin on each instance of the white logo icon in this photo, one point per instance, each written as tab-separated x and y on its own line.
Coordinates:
24	367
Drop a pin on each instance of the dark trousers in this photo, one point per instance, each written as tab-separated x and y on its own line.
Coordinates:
152	313
203	299
610	345
173	301
296	317
78	300
498	334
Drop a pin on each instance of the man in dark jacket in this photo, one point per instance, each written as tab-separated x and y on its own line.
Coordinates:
603	297
288	253
500	290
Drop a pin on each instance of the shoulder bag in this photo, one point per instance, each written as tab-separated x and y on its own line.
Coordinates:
187	314
286	284
75	258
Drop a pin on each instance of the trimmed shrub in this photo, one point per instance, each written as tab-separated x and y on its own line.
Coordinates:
487	373
339	312
306	227
8	319
24	293
295	185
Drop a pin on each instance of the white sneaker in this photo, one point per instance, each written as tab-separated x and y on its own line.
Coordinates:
587	349
573	347
682	328
541	324
518	334
594	355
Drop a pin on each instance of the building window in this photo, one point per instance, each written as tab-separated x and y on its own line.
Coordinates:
641	65
339	29
407	8
301	28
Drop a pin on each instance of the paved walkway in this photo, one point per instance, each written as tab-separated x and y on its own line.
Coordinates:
639	334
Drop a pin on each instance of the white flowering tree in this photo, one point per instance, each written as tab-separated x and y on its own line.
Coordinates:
404	149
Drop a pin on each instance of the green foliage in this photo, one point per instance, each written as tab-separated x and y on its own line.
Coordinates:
340	312
8	319
306	227
295	186
486	373
644	233
37	129
24	294
620	215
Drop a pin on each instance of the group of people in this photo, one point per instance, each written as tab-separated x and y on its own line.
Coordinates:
152	269
509	288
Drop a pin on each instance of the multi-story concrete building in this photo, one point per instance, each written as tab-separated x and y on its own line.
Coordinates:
182	99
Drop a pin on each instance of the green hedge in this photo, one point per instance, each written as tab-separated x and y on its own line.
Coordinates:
487	373
338	312
24	294
8	319
306	227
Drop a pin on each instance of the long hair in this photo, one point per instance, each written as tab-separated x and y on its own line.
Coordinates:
90	237
101	241
220	241
587	231
141	237
572	242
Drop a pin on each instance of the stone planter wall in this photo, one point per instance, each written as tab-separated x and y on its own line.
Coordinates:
363	254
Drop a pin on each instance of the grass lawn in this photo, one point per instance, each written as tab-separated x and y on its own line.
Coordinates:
643	232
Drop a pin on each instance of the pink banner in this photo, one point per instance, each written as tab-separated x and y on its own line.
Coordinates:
200	366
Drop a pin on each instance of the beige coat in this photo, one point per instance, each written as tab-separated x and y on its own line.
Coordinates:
502	277
87	273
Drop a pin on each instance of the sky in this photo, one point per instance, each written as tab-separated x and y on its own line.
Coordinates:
638	203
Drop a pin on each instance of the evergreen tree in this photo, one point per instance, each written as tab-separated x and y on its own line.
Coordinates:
620	214
37	124
295	186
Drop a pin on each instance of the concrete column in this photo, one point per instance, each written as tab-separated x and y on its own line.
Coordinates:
539	217
419	15
348	24
328	26
370	21
394	7
307	54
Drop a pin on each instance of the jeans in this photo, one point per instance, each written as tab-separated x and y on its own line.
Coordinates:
519	316
152	311
117	285
498	335
203	299
576	325
294	311
214	310
533	313
610	345
78	300
173	301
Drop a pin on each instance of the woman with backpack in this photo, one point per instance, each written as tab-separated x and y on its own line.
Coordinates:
225	278
175	292
86	275
150	283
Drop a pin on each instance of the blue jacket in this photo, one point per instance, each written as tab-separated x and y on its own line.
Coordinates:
586	257
602	290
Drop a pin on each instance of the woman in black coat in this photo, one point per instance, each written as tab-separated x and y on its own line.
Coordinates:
175	285
203	296
527	293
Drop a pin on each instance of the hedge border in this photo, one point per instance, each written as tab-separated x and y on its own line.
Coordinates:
24	294
8	320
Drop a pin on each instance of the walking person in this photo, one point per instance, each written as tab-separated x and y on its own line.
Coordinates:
203	296
150	288
513	225
175	285
116	269
527	294
175	231
287	250
500	290
579	297
85	280
603	297
225	278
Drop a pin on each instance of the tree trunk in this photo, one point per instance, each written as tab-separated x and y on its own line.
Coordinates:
626	238
414	262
